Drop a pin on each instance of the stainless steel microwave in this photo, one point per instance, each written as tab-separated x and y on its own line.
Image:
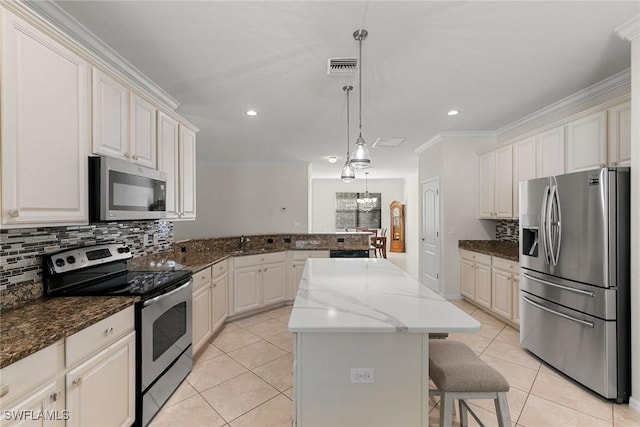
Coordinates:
119	190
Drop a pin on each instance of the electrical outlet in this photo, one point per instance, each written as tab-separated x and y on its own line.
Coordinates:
362	376
145	240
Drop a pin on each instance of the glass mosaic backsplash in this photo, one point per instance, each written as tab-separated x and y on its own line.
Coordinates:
507	230
22	249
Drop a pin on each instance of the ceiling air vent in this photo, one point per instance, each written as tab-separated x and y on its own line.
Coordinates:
389	142
342	66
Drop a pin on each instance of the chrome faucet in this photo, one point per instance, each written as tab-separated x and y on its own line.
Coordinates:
243	240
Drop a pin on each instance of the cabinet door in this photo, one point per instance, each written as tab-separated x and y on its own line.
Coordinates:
168	156
45	128
467	278
587	143
515	312
550	146
503	198
246	289
524	168
486	183
220	301
501	293
142	135
45	400
101	391
619	121
273	283
202	316
296	275
187	173
110	116
483	285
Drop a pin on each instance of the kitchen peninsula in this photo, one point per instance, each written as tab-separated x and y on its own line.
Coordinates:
361	349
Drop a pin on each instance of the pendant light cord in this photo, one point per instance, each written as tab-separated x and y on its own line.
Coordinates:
347	89
360	84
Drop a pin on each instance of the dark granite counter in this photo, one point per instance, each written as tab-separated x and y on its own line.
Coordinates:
34	326
500	249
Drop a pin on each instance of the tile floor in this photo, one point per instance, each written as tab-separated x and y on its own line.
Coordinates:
244	379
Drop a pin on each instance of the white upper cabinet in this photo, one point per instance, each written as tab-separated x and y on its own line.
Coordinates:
587	143
550	158
110	116
45	128
620	135
486	183
503	198
168	161
187	156
142	132
524	167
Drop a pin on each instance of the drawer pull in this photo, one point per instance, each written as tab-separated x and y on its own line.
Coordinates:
4	390
54	397
109	331
14	213
77	382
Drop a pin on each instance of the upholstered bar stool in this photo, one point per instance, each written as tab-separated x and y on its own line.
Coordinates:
459	373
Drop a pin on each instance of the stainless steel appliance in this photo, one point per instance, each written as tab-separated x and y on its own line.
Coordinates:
163	315
120	190
575	276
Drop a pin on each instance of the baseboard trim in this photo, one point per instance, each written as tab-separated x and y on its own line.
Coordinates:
634	404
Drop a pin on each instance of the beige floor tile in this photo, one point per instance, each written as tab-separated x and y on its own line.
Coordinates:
539	412
484	317
209	352
489	418
214	371
280	311
289	393
518	376
558	389
623	416
195	409
257	354
268	328
239	395
283	340
547	369
183	392
251	320
232	340
284	318
477	343
464	305
489	330
277	412
278	372
509	335
515	398
512	353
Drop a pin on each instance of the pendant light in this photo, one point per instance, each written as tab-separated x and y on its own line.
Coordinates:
361	157
348	174
367	203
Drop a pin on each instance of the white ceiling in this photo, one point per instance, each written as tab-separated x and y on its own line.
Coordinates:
494	61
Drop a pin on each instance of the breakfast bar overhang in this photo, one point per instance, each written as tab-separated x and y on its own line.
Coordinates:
361	343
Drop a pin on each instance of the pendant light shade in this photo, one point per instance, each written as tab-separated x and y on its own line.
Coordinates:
348	174
361	156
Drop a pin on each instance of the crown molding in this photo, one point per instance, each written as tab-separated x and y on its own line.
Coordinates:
64	22
430	143
629	30
603	87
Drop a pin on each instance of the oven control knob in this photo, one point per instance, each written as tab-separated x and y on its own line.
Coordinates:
126	249
59	262
71	259
120	250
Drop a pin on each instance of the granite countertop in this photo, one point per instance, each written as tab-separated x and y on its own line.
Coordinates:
370	295
34	326
500	249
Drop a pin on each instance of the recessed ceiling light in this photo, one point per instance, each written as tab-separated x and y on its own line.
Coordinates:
333	159
252	113
453	113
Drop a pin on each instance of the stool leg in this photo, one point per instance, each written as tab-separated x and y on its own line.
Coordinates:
446	410
502	409
464	420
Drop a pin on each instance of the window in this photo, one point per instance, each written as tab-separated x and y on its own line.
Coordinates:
349	214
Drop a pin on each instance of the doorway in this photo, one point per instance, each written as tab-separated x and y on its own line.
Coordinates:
430	239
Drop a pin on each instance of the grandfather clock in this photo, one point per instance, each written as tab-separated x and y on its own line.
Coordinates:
397	227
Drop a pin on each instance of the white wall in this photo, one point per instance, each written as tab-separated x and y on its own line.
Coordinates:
323	199
248	199
411	211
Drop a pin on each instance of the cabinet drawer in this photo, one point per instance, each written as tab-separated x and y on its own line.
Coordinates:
305	255
83	344
505	264
219	269
201	278
476	257
27	373
248	260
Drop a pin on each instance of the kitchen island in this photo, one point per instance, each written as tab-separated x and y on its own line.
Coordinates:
361	343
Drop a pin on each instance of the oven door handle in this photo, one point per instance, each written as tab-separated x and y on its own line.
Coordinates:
555	285
564	316
159	297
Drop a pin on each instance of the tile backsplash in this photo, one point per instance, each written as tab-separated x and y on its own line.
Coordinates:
21	250
507	230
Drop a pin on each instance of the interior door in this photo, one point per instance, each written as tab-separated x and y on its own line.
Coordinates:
430	251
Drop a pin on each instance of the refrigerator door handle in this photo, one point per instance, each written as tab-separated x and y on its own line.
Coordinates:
564	316
555	225
543	224
555	285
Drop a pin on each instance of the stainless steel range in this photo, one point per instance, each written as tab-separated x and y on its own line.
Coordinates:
163	316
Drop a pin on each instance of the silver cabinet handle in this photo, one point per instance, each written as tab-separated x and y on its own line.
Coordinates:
4	390
135	157
555	285
77	382
126	155
54	396
14	213
614	163
109	330
564	316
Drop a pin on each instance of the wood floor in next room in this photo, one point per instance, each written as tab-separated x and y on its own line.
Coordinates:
244	379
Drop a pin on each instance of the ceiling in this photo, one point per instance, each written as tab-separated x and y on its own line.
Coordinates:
494	61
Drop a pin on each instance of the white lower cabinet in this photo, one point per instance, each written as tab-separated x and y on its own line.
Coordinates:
273	283
298	260
202	317
475	274
220	299
47	400
501	289
210	287
258	281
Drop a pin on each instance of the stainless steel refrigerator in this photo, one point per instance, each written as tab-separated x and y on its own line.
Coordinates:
575	274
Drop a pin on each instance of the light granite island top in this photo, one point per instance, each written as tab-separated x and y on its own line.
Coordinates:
361	340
